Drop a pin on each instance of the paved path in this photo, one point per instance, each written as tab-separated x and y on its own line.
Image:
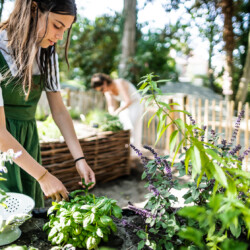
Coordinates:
191	90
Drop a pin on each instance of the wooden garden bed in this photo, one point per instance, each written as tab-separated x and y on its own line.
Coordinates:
107	153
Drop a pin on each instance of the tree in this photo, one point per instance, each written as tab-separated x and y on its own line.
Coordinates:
205	15
244	86
93	48
234	15
1	8
128	38
227	7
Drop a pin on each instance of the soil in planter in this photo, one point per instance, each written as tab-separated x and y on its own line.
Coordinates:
125	238
124	189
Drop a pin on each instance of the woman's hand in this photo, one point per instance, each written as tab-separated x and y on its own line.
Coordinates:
53	187
116	112
85	172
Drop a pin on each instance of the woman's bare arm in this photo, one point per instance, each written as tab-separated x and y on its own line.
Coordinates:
50	185
122	86
112	104
64	122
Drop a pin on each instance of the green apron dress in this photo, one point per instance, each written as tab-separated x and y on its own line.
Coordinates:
20	122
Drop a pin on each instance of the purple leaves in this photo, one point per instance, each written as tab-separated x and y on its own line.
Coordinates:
235	150
143	212
245	153
154	190
237	126
160	161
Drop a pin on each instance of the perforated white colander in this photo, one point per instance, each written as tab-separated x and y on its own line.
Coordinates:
16	204
18	210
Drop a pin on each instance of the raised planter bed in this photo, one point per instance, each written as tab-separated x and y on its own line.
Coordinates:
107	153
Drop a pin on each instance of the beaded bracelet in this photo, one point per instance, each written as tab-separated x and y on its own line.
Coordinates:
78	159
46	171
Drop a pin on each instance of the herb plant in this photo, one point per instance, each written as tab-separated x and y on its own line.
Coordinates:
103	120
47	130
83	221
218	196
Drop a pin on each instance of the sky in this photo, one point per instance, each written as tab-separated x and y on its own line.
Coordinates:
153	13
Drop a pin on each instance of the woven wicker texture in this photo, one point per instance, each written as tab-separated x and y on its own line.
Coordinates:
107	153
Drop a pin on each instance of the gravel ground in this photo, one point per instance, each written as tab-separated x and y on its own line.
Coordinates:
190	90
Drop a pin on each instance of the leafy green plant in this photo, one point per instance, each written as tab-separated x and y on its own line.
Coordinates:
47	130
83	221
218	194
41	114
74	113
103	120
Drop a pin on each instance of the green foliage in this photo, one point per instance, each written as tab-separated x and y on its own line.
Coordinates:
48	130
83	221
40	115
103	120
94	47
218	194
208	16
74	113
152	54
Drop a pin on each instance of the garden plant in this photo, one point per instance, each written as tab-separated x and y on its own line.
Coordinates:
216	214
47	130
103	120
83	221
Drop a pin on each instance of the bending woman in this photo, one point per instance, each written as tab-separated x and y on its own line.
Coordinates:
130	110
28	65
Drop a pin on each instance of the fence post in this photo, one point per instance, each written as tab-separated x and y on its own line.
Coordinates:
206	112
193	113
199	111
220	117
239	131
170	129
68	102
231	118
213	115
227	121
246	132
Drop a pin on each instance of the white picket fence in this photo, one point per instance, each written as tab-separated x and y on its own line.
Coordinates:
217	115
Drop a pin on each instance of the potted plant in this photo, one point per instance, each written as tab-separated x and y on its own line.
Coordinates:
216	214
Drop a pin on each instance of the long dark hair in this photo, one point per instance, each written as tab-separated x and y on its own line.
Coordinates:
101	78
21	27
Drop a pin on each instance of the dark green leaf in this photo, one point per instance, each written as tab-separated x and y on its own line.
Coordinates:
141	244
192	235
172	140
196	161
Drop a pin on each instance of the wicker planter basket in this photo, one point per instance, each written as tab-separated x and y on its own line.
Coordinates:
107	153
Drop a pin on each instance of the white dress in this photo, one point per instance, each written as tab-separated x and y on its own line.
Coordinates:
131	117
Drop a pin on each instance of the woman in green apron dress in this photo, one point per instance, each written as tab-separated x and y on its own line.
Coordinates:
28	65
